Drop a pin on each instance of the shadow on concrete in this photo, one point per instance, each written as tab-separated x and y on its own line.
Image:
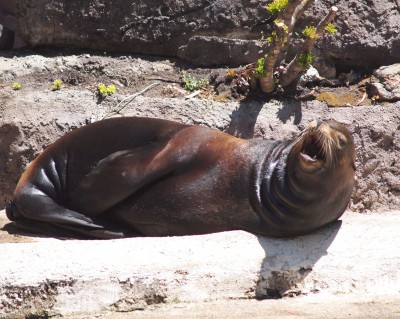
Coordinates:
288	261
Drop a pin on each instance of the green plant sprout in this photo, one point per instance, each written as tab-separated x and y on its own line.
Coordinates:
16	86
305	59
277	6
274	37
190	83
330	28
56	85
106	90
310	32
279	22
259	70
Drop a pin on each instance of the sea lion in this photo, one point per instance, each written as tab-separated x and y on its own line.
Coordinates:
132	176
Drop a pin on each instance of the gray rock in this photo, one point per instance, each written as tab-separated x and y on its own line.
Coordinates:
6	38
378	91
388	87
367	37
150	27
209	32
235	51
7	24
309	76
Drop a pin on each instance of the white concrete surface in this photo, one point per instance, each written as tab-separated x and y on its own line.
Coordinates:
305	307
359	256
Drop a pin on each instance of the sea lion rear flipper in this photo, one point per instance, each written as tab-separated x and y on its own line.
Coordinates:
58	221
62	231
121	174
34	204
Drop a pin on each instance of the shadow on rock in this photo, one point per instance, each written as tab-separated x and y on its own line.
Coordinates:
290	109
244	118
287	262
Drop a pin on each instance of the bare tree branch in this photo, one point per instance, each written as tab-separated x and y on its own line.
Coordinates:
287	15
295	66
295	10
267	83
301	8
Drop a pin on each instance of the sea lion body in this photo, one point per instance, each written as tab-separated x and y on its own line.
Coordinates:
138	176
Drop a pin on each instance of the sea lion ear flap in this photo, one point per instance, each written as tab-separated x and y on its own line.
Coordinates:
353	164
313	124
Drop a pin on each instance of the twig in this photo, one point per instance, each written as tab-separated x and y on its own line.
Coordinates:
128	99
165	80
362	99
302	8
288	16
195	93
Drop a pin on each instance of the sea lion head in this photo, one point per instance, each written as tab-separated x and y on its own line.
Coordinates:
318	181
324	147
320	172
308	181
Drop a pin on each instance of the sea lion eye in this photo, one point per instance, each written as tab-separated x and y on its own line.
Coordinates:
342	140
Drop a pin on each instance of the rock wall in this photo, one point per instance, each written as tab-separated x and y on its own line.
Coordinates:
208	32
26	129
156	27
368	33
35	116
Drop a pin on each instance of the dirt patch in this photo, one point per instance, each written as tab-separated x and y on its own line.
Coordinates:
131	73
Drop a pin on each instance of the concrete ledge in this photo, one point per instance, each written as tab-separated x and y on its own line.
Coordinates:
44	277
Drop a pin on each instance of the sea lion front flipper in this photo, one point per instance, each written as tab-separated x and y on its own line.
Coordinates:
121	174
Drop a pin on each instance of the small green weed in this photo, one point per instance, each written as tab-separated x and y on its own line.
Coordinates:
259	69
56	85
106	90
16	86
190	83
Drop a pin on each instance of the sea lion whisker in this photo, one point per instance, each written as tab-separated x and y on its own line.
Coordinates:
329	156
332	154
